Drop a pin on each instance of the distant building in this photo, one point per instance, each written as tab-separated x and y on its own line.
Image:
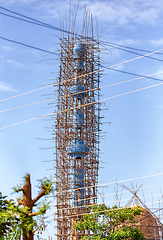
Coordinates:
148	222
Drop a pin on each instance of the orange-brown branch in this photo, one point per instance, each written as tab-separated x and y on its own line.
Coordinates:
41	194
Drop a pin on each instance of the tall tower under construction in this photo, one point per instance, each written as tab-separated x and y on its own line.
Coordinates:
77	127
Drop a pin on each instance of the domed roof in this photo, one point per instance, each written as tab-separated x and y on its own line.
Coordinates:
148	224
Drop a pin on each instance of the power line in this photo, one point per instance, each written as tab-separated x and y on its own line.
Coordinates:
139	54
34	20
102	69
110	183
57	54
124	192
140	219
135	74
22	94
69	95
42	24
81	214
119	45
65	110
96	204
26	45
103	211
109	194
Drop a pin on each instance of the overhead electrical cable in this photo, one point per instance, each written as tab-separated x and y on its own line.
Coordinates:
120	49
135	74
119	45
22	94
114	200
34	21
110	183
96	204
25	20
108	195
89	90
141	219
26	45
96	71
129	51
109	210
65	110
59	29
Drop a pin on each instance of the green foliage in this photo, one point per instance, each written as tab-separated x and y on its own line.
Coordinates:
25	177
43	207
14	219
110	223
5	224
47	184
27	221
18	188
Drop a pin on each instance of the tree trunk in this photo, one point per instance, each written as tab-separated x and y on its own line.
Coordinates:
28	202
29	236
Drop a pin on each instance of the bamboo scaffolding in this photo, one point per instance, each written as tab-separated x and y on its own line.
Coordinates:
66	132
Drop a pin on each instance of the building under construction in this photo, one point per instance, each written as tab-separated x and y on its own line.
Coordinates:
77	133
148	222
77	127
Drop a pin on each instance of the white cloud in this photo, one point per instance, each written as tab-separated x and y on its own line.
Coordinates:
126	11
112	13
6	87
12	62
15	63
159	73
159	106
1	57
11	2
157	42
129	42
7	48
118	12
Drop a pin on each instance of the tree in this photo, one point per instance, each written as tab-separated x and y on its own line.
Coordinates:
20	217
5	223
110	223
10	224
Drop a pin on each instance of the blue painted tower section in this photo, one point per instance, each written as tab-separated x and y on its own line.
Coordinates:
79	149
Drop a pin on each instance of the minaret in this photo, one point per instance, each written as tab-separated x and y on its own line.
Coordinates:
79	149
77	128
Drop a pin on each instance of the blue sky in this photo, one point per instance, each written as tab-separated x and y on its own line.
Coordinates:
133	142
